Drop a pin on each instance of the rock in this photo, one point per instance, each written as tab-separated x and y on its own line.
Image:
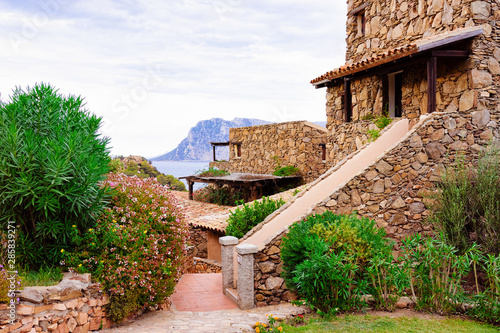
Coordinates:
31	295
467	101
82	318
371	174
379	186
481	10
417	207
398	203
398	219
404	303
459	145
383	167
437	135
486	135
267	267
288	296
355	198
274	283
421	158
480	118
415	141
72	324
480	78
435	150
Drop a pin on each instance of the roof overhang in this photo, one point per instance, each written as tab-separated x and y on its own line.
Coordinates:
411	50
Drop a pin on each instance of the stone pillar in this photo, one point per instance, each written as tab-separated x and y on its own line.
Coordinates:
245	281
227	249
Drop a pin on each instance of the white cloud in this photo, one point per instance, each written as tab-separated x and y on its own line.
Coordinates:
153	69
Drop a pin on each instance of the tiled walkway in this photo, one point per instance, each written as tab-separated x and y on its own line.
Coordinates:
201	292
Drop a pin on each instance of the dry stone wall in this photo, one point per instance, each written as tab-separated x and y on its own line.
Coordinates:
74	305
198	242
294	143
394	189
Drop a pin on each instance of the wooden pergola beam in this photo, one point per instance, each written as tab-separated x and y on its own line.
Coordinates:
431	84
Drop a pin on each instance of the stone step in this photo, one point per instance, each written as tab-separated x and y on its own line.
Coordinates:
232	294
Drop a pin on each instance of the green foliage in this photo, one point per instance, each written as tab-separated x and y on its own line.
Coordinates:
243	219
43	277
145	170
51	160
436	271
326	256
368	116
382	121
287	171
137	247
467	204
224	196
212	172
374	134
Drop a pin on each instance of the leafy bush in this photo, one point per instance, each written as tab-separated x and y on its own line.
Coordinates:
212	172
374	134
287	171
243	219
137	246
467	204
326	256
51	160
436	271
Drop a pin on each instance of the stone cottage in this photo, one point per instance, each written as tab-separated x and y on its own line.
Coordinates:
408	58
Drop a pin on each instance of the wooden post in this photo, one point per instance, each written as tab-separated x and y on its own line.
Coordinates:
190	185
347	101
213	147
431	84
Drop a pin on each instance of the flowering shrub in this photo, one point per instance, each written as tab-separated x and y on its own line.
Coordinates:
137	246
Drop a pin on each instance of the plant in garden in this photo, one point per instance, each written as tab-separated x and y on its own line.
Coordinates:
212	172
224	196
467	203
287	171
436	271
51	161
243	219
325	259
382	121
374	134
137	247
274	324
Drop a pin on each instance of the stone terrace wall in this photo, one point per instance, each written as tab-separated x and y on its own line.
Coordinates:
392	190
294	143
74	305
198	241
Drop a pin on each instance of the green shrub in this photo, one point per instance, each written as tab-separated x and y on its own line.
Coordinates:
212	172
467	204
325	259
287	171
436	271
51	160
137	247
224	196
243	219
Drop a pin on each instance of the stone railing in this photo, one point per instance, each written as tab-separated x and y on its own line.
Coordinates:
74	305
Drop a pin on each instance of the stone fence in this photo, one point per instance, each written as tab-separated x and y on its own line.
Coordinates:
74	305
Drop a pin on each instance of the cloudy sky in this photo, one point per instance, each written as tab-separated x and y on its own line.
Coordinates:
153	69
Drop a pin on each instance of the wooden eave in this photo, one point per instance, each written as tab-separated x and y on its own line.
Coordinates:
432	46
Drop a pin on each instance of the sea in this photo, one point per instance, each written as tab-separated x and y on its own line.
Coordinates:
182	169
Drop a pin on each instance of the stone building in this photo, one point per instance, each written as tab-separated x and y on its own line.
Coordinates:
408	58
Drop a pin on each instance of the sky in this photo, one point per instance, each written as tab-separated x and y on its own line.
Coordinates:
153	69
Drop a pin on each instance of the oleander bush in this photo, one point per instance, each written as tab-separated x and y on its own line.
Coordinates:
325	259
52	158
244	218
137	247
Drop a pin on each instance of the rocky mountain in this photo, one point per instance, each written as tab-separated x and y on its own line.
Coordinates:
196	146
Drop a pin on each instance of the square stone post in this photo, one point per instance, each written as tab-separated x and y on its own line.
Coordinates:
245	281
227	249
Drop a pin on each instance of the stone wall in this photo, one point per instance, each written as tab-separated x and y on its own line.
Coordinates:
74	305
462	85
390	24
198	241
393	190
294	143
